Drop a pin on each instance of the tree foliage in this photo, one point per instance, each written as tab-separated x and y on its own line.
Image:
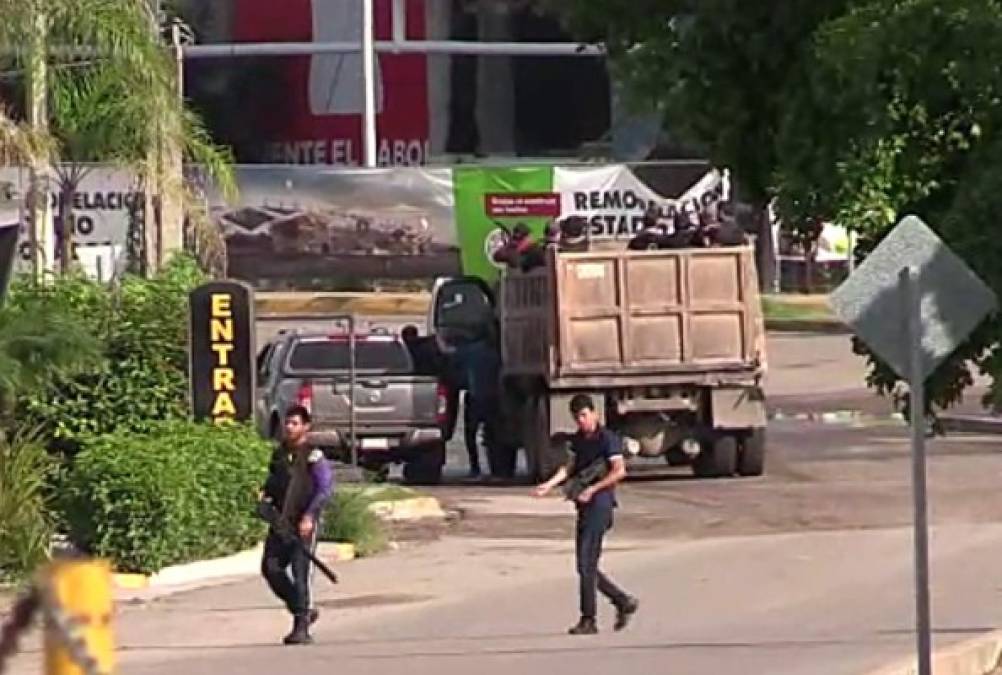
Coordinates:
140	374
902	114
112	90
719	69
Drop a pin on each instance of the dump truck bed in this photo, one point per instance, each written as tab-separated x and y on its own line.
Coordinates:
635	317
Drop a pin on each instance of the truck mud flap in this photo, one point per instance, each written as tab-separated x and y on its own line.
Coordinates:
737	407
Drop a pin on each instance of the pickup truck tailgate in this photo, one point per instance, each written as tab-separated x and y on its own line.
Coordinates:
388	395
380	401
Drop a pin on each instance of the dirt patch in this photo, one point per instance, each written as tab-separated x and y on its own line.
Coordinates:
417	531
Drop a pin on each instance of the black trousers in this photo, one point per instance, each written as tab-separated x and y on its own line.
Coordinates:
594	520
471	425
282	556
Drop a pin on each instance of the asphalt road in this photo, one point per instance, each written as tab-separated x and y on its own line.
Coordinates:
806	570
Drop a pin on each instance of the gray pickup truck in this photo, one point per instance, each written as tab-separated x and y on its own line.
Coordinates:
399	415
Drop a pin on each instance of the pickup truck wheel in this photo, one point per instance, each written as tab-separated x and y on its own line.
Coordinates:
718	459
426	468
752	459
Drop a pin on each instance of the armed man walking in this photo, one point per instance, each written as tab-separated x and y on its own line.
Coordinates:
592	473
299	485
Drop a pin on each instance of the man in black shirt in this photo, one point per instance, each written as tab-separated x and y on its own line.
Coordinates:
593	443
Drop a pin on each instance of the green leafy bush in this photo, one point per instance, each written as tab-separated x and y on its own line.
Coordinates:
348	519
140	376
175	493
25	526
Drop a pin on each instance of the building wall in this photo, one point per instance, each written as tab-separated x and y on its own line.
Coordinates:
307	109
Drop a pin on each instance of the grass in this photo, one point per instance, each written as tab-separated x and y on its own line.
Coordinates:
349	520
785	308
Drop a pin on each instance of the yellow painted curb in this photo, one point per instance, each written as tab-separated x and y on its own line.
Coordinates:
979	656
293	304
130	582
344	552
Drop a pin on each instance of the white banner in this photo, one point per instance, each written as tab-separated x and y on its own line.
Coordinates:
100	211
613	199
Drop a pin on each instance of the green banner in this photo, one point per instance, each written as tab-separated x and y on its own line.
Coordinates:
480	204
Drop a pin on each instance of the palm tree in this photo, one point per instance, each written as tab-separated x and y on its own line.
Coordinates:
113	92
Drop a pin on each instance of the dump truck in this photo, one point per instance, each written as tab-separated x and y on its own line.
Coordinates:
669	343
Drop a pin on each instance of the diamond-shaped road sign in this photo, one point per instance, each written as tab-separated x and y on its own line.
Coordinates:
953	299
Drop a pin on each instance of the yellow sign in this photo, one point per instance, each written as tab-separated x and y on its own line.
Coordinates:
222	372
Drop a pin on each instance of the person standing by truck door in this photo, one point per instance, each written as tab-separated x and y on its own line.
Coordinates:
595	505
300	483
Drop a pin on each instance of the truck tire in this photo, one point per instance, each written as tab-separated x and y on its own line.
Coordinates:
501	458
426	468
752	459
544	457
718	459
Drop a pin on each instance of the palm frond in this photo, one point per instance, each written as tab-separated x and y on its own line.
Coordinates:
36	345
20	144
119	103
215	160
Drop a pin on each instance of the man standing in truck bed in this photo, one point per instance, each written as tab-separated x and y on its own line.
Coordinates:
300	482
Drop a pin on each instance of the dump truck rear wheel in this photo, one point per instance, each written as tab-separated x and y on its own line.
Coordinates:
544	456
719	459
752	459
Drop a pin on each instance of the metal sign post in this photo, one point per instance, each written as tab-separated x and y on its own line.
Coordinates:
351	390
911	300
369	141
350	321
913	282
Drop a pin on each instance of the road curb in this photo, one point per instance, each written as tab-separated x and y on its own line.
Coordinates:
835	417
974	424
205	572
270	304
417	508
822	326
979	656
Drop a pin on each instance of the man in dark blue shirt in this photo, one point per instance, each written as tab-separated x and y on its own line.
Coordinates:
300	483
593	443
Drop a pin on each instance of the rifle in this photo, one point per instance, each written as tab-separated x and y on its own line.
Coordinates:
268	513
586	477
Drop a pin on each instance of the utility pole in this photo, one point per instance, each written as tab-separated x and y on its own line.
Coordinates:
369	140
42	240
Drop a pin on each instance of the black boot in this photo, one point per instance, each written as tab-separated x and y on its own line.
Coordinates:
314	615
586	626
300	634
625	612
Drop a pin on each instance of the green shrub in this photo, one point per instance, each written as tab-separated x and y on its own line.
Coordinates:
25	526
348	519
141	374
175	493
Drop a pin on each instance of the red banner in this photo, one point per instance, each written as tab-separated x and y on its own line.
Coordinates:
527	204
315	114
